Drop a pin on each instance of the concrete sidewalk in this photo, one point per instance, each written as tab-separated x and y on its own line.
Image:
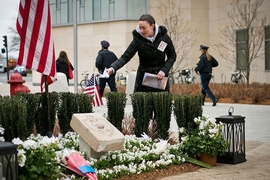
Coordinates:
257	134
256	167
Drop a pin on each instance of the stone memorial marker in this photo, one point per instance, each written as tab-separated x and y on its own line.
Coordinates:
130	85
60	85
97	134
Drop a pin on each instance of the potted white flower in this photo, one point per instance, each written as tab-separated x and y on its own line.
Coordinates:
205	140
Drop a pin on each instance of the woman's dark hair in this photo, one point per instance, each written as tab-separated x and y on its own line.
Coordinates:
148	18
63	55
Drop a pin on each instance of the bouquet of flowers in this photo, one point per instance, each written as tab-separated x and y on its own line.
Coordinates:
205	138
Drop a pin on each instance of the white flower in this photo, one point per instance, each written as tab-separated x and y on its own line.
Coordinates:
160	147
30	144
2	130
17	141
184	139
182	130
2	139
21	157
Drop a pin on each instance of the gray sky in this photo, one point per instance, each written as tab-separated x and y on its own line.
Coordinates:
8	15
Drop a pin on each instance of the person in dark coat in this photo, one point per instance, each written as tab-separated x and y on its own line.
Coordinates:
62	64
155	50
104	60
204	68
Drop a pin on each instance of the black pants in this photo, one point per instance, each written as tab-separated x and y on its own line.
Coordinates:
205	79
110	81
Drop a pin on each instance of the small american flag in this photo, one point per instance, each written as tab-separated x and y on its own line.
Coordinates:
93	90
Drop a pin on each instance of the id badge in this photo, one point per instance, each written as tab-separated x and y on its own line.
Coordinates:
162	45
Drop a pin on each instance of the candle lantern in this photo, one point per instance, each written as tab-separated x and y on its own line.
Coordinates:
234	133
8	161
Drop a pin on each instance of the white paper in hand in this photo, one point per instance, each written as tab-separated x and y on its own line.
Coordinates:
105	74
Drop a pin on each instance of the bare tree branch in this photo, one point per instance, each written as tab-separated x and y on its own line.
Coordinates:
179	30
244	15
15	40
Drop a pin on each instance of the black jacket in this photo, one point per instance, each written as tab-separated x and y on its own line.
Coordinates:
62	66
205	66
150	58
104	59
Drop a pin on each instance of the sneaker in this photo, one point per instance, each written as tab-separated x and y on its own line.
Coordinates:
215	102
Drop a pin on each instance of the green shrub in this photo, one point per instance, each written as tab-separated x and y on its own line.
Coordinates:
116	103
142	104
186	108
162	110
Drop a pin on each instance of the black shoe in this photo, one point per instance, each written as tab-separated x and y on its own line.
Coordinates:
215	102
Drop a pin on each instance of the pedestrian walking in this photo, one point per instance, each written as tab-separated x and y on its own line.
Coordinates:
204	68
104	60
62	64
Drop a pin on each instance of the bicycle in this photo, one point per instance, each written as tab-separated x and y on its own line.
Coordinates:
120	80
85	80
188	76
237	77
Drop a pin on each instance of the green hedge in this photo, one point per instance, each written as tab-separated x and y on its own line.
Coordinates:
142	104
163	110
186	108
116	103
19	113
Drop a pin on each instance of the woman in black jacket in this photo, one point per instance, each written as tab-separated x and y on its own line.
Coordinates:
204	67
155	50
62	64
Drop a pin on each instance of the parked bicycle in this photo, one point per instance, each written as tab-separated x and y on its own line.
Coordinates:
185	76
237	77
120	79
85	80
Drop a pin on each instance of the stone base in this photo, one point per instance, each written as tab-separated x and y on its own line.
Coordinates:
89	151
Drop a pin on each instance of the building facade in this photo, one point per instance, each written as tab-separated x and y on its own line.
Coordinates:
114	20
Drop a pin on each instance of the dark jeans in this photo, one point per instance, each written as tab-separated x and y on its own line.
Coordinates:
110	81
205	79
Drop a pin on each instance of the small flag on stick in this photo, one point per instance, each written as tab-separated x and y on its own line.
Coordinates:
93	90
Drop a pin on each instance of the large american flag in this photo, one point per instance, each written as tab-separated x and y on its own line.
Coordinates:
36	44
93	90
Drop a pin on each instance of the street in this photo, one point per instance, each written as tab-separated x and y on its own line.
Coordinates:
3	77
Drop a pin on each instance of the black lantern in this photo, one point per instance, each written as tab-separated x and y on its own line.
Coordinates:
234	133
8	161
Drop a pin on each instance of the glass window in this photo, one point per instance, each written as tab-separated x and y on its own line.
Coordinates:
105	9
242	50
87	12
136	8
119	10
64	11
53	11
96	10
267	48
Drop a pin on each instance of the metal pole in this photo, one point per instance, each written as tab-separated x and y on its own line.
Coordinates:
75	46
7	63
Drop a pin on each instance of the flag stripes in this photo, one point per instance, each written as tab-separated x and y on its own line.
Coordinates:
36	43
93	90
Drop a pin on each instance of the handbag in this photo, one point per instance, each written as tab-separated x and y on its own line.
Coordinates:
70	73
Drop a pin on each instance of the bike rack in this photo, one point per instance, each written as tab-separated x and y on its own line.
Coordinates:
223	76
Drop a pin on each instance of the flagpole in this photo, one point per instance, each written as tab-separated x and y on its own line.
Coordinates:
75	46
49	132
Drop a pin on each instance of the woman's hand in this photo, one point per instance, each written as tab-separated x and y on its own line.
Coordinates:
160	75
109	71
